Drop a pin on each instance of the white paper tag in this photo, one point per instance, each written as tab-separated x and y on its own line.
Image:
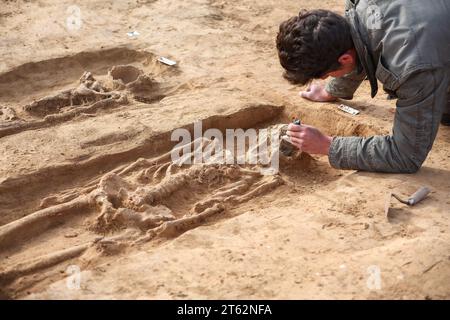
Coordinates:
348	109
167	61
133	34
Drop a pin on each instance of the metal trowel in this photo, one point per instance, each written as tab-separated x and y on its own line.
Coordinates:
417	196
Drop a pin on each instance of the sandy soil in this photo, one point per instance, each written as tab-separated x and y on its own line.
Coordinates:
86	183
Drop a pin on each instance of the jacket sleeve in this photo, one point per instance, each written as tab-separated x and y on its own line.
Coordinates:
345	86
422	100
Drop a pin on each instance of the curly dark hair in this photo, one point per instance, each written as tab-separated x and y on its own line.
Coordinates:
310	44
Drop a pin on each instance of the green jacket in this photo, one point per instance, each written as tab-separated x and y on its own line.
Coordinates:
405	44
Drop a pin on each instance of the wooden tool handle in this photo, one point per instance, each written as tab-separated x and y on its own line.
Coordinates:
418	196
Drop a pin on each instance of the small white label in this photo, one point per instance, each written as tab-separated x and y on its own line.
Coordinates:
167	61
348	109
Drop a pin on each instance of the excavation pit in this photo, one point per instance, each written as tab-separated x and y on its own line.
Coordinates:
155	199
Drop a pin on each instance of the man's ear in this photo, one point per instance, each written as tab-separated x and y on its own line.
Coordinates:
347	59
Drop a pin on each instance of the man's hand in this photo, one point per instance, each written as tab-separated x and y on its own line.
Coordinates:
316	92
309	139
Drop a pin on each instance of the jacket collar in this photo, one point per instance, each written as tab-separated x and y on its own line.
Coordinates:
365	59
